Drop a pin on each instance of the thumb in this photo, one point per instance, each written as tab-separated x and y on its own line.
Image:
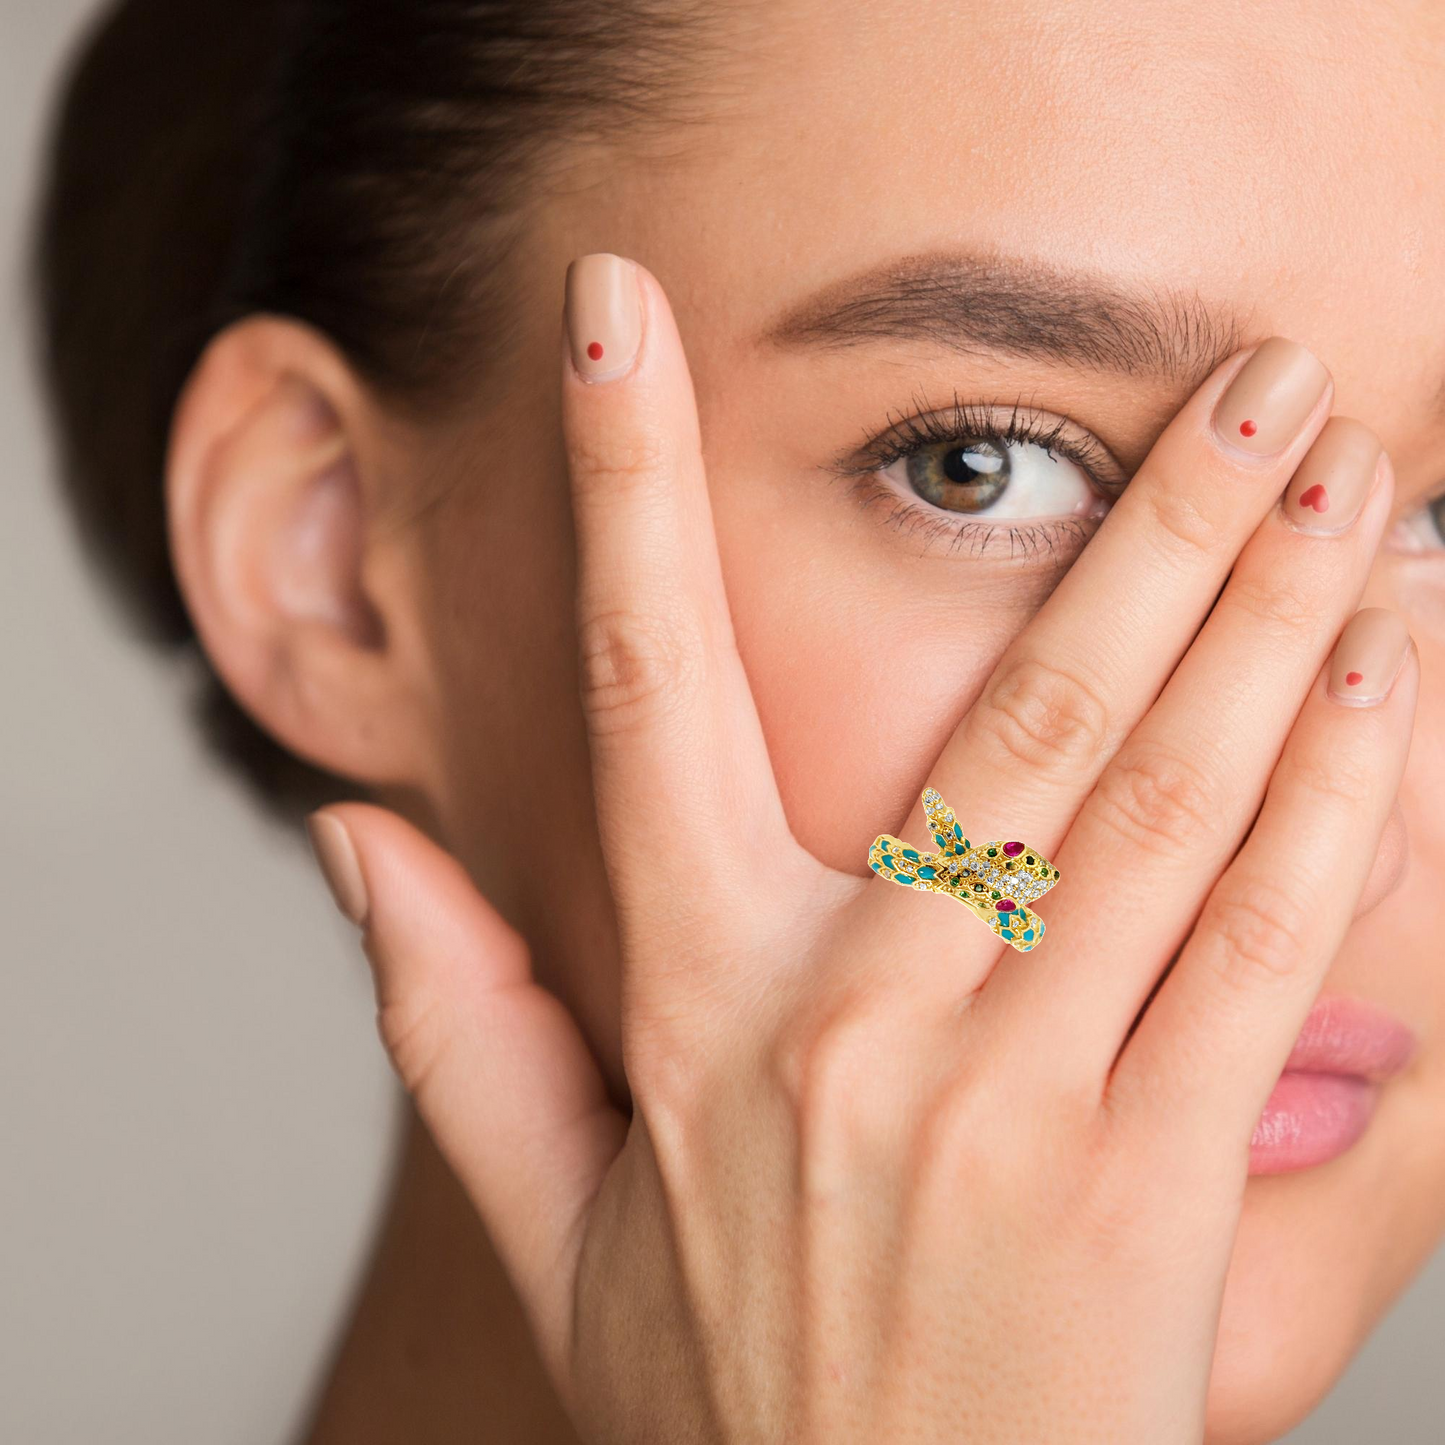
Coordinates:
497	1066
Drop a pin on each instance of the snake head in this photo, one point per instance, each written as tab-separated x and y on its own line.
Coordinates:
1013	868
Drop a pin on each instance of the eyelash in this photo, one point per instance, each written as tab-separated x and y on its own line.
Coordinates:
1432	508
963	420
957	423
1435	506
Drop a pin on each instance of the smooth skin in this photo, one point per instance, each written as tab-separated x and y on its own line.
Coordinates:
395	599
878	1183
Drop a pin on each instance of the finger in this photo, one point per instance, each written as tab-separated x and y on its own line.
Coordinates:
500	1073
1209	1049
1074	683
688	811
1171	807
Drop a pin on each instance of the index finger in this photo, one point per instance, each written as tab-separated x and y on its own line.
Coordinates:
691	822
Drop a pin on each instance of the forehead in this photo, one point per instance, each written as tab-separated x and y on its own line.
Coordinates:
1286	160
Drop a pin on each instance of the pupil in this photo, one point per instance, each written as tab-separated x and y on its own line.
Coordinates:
976	461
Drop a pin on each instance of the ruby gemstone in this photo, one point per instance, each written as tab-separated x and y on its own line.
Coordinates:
1013	849
1005	905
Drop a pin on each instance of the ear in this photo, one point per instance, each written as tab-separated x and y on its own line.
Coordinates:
299	599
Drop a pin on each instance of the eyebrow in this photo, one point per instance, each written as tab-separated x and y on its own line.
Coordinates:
973	304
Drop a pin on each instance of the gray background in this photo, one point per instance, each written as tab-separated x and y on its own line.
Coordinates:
196	1120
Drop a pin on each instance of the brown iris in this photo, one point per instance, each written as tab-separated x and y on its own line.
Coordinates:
967	476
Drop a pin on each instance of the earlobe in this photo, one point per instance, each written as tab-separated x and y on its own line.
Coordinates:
268	517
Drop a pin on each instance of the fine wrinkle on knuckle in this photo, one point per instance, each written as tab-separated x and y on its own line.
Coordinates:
633	665
1042	716
411	1030
1150	795
617	465
1260	933
1283	602
1332	776
1180	525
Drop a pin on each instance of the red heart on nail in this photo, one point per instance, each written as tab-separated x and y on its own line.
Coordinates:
1315	497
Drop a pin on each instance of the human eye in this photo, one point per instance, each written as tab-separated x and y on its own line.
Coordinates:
995	476
1422	530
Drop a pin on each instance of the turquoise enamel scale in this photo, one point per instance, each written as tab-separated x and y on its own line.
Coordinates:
996	880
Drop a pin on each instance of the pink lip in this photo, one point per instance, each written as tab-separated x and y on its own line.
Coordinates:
1326	1096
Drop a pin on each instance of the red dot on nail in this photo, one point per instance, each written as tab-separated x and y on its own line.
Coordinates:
1354	678
594	350
1247	428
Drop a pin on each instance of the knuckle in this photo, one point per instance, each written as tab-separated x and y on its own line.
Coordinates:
1282	603
1330	775
950	1133
632	664
617	465
965	1130
824	1066
1185	529
1150	794
413	1034
1041	715
668	1081
1123	1216
1260	933
1031	1140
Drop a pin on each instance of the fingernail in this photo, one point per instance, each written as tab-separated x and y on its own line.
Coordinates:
339	866
1270	399
604	315
1328	490
1368	656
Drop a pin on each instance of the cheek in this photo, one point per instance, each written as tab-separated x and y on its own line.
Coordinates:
1391	860
858	687
1415	863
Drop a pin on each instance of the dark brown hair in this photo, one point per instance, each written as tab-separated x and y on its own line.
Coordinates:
368	167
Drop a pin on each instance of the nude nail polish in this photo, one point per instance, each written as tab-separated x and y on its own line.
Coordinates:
1271	398
336	855
1328	489
1368	656
604	315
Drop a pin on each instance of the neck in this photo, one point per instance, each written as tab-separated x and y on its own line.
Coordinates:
437	1349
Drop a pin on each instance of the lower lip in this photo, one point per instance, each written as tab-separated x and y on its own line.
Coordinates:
1310	1119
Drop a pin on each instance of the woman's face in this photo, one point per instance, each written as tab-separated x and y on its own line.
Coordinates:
1245	171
